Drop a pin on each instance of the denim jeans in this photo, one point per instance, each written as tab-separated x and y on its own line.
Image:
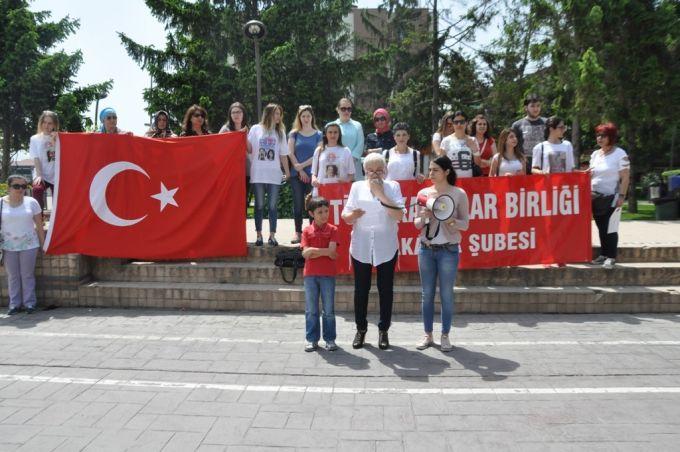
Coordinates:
20	268
438	264
300	190
315	286
272	191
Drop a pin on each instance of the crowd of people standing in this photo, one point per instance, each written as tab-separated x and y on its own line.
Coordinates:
308	157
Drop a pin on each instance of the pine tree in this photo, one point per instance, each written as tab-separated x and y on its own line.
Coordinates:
32	79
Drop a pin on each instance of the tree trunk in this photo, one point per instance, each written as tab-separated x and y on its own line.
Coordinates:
435	65
576	140
6	150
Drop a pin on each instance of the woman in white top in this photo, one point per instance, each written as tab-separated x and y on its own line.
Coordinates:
403	163
555	154
445	129
22	237
460	148
332	162
42	149
438	254
374	207
509	159
610	173
268	151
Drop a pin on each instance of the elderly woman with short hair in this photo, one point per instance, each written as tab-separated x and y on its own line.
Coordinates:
373	208
21	226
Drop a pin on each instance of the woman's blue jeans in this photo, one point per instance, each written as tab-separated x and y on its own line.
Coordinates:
300	191
316	286
440	264
272	191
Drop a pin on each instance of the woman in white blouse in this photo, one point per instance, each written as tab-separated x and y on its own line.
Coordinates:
42	149
403	163
509	160
374	207
21	227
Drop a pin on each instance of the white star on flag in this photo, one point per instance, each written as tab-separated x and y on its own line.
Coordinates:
166	196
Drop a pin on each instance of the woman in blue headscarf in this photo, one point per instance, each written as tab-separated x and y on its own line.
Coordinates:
109	121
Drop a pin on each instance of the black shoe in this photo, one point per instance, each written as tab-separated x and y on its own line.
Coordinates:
13	311
383	341
259	242
272	242
359	339
30	310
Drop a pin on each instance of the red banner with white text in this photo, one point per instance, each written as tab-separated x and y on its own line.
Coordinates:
519	220
134	197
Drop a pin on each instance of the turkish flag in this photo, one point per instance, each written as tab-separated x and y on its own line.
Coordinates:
134	197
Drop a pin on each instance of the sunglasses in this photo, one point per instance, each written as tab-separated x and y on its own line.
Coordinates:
198	115
19	186
349	109
380	118
459	122
112	117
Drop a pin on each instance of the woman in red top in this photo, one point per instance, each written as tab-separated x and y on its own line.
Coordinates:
479	130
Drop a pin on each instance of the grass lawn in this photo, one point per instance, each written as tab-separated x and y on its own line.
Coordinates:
645	212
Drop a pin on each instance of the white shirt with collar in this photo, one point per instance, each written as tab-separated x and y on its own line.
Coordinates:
375	234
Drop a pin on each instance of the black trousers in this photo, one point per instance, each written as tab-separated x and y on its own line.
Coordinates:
362	286
608	242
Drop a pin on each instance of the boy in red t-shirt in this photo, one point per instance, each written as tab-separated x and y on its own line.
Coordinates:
319	241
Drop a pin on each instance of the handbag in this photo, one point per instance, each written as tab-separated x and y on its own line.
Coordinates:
601	203
292	260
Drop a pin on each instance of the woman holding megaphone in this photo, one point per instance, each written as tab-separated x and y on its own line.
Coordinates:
442	214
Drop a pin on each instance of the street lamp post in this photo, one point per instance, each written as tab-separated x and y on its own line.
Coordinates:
256	30
96	108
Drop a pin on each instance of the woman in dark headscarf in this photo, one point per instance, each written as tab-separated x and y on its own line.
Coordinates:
160	128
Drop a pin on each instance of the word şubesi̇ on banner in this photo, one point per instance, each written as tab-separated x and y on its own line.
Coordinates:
518	220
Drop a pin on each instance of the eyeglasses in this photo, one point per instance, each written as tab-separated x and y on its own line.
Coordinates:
376	171
346	109
459	122
198	115
380	118
19	186
112	117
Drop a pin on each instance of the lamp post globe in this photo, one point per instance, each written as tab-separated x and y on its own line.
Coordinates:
256	30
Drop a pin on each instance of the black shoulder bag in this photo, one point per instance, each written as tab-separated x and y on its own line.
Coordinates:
289	261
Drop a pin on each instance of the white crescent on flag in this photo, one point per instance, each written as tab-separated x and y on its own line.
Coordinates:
98	192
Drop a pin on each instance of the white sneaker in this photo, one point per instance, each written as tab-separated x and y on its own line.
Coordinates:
425	342
599	260
446	343
609	263
311	346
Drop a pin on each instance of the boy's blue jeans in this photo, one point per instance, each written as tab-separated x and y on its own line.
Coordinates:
325	287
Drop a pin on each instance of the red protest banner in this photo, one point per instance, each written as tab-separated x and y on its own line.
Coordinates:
519	220
125	196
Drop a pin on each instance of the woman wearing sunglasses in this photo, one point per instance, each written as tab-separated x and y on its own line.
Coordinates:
460	148
352	134
383	138
195	122
109	121
21	227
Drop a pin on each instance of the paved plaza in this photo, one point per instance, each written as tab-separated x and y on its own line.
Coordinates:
106	379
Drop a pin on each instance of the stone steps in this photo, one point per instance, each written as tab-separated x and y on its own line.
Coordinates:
642	253
469	299
646	273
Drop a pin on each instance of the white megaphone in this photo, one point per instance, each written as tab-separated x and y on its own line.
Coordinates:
442	206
